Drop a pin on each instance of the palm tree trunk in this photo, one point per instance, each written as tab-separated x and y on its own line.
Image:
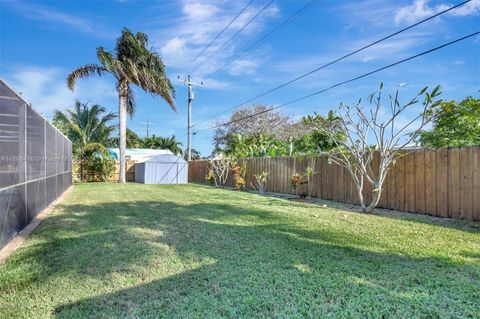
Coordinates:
122	116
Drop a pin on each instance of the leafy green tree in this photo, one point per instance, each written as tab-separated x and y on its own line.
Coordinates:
195	155
85	124
132	63
316	141
270	134
454	124
163	143
271	123
133	140
95	163
240	146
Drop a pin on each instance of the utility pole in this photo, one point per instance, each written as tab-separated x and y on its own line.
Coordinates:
147	123
190	85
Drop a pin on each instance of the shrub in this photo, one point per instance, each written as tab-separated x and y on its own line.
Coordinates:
261	182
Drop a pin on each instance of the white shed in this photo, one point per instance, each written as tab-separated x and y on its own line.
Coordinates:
162	169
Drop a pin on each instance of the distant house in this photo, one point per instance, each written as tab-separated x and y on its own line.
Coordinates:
137	154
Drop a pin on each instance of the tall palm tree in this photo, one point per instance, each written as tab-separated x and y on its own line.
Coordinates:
132	63
85	125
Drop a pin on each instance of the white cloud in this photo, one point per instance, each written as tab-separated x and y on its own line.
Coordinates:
471	8
421	9
377	13
174	50
199	23
211	83
244	66
46	90
199	11
390	49
48	14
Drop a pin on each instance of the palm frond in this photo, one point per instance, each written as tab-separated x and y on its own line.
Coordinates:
83	72
131	104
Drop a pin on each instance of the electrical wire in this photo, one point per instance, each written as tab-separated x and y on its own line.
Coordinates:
221	32
343	82
334	61
270	34
234	35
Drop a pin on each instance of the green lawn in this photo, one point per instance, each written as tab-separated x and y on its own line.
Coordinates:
190	251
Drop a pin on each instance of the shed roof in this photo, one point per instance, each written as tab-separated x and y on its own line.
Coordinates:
164	159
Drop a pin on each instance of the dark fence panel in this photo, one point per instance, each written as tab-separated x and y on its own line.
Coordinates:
35	163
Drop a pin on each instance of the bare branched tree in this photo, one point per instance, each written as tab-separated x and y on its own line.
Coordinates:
373	130
261	182
220	169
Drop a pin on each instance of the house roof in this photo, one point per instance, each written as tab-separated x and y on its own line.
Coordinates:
138	154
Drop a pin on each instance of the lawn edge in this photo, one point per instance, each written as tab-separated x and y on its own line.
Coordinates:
18	239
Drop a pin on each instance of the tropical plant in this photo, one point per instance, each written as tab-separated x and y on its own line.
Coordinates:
132	63
219	170
360	125
295	182
195	155
309	173
85	124
133	140
272	136
240	146
271	123
313	141
239	173
95	163
260	182
163	143
454	124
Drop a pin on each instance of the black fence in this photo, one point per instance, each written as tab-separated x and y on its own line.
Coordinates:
35	163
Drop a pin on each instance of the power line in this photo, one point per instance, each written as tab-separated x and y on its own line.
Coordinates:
334	61
270	34
234	35
344	82
339	59
221	32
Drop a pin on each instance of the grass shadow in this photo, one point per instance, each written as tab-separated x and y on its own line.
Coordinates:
223	258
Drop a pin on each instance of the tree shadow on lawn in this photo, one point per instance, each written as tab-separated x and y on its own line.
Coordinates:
452	223
241	263
220	260
284	200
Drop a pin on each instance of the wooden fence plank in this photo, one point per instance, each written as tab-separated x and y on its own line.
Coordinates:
420	181
466	183
430	182
392	189
409	182
400	183
453	182
323	179
476	184
442	181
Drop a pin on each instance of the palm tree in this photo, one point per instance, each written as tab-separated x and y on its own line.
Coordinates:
131	63
85	125
163	143
133	140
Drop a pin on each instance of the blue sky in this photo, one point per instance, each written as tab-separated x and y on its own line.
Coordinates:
42	41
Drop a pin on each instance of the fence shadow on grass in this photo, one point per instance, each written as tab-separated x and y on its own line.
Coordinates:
242	263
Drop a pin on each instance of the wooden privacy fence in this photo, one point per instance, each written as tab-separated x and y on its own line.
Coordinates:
81	175
441	182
